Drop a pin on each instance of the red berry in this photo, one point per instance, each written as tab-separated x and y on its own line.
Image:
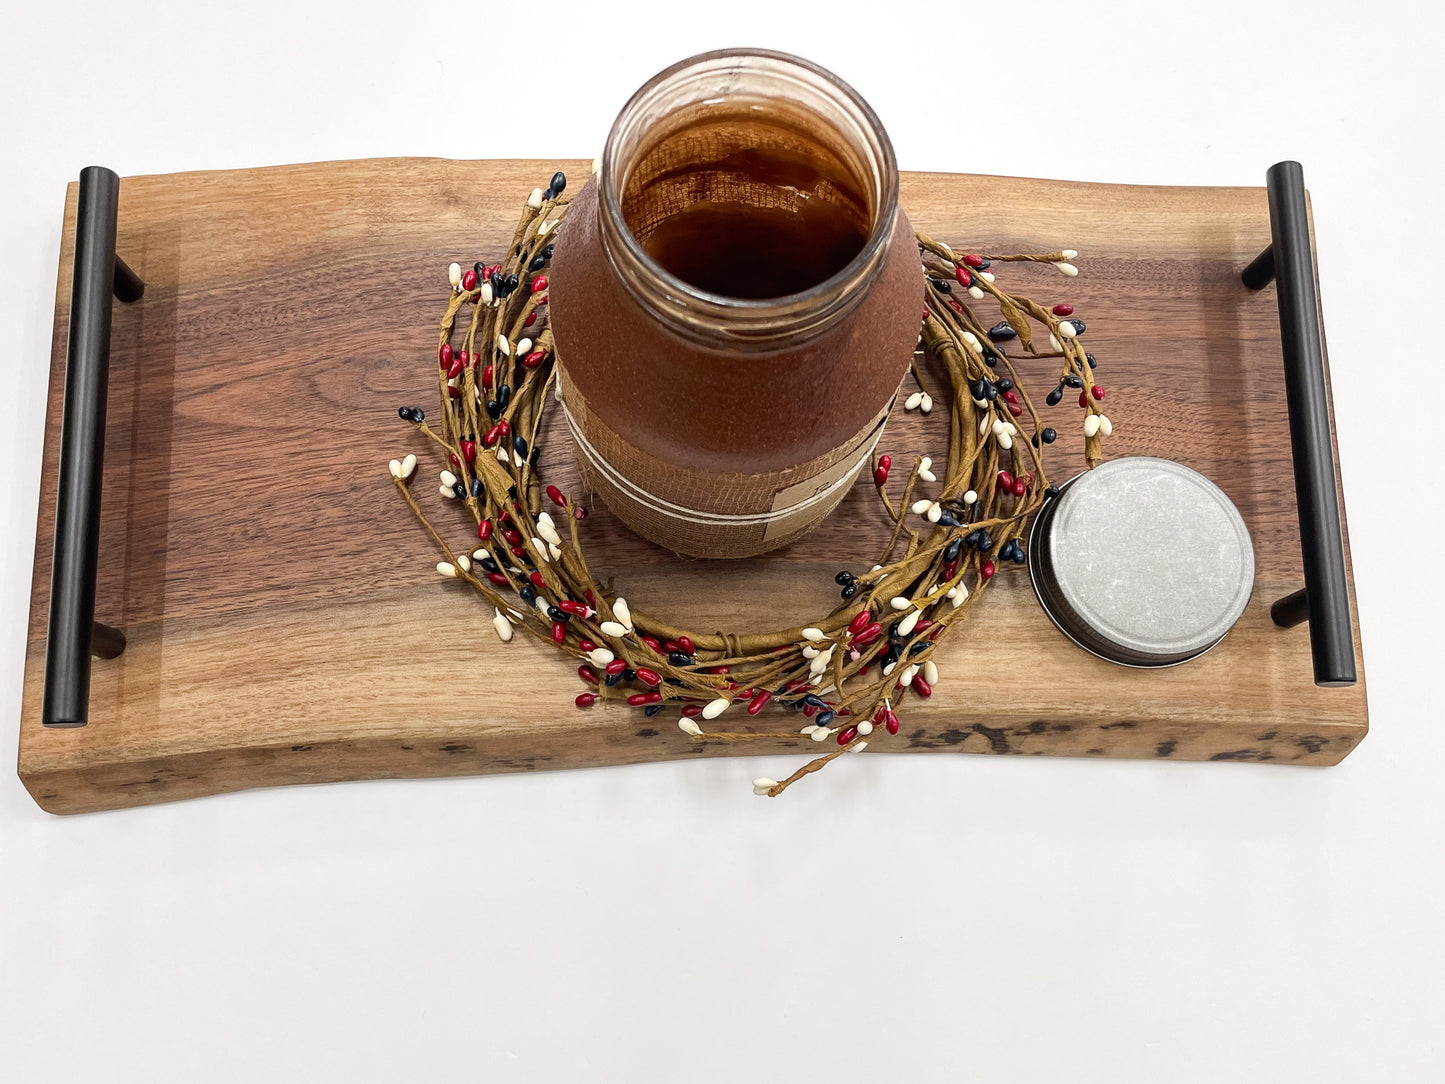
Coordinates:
1083	398
923	625
692	711
759	701
861	620
454	391
1014	409
1020	487
1098	392
847	734
1005	480
454	370
518	552
921	687
492	435
718	669
950	570
648	677
579	512
559	633
539	284
469	451
504	429
954	305
445	354
484	529
638	699
810	710
586	700
890	720
455	462
987	569
973	261
497	578
654	643
1063	310
487	376
964	278
555	496
587	674
589	646
869	635
531	319
616	666
535	358
512	535
469	280
1011	396
537	579
685	645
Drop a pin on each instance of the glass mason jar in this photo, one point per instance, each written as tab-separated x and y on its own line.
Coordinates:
735	299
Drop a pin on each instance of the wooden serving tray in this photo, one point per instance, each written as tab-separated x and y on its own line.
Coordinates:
285	621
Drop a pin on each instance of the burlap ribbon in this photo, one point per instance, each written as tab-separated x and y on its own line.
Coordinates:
703	514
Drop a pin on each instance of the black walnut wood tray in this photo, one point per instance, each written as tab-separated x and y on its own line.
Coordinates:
284	619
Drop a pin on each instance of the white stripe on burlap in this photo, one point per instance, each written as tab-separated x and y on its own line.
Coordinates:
694	515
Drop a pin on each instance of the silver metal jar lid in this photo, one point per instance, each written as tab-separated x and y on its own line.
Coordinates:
1142	561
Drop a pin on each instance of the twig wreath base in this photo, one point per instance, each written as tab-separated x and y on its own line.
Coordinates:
851	672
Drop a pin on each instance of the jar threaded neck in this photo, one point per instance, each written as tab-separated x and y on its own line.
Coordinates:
823	118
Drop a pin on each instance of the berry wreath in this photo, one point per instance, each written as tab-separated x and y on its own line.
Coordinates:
493	378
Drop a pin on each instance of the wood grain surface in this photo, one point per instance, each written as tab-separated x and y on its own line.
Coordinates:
285	621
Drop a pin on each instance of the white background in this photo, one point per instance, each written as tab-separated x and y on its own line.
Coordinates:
919	918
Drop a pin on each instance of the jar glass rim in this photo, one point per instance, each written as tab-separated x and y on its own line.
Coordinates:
884	183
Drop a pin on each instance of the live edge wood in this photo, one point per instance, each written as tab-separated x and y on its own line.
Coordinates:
286	626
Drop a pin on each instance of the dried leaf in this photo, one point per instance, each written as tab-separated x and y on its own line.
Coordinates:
1016	320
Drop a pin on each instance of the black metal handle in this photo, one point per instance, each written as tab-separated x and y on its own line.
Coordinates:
1325	600
73	632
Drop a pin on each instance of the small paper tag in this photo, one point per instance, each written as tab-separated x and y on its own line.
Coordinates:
799	492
